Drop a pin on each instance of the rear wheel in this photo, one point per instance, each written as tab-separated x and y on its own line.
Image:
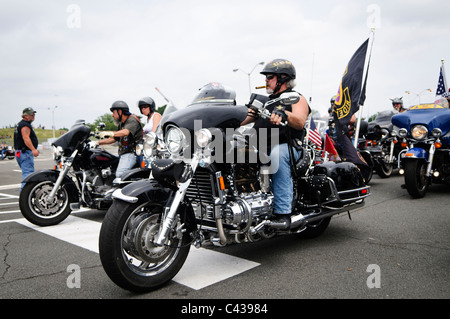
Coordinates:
126	247
415	180
315	229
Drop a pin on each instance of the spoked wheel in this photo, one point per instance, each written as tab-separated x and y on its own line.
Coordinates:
36	207
415	178
127	252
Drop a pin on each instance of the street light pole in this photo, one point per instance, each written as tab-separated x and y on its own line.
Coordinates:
419	94
249	74
53	120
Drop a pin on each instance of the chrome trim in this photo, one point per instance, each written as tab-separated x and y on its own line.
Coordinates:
119	195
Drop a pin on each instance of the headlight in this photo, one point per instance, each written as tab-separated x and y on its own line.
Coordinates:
419	132
139	149
174	140
203	137
436	133
57	152
402	133
150	141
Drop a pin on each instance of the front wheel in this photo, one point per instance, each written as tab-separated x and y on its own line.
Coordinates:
126	247
384	170
36	208
415	178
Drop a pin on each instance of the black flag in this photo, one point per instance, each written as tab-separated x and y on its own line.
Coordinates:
352	91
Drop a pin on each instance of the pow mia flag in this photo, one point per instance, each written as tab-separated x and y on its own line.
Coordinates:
352	91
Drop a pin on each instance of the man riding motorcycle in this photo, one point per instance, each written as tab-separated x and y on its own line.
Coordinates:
397	104
129	133
280	77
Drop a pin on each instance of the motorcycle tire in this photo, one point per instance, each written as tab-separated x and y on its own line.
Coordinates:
384	170
34	207
415	180
315	229
126	248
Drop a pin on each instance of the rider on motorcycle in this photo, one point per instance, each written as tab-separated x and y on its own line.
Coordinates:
280	77
147	107
397	104
3	148
129	133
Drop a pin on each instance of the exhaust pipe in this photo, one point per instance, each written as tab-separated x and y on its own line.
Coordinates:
302	220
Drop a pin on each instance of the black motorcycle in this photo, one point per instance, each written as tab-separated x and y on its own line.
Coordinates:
383	144
84	176
214	189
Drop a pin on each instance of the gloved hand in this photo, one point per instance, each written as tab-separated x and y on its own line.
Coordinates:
93	144
280	111
105	134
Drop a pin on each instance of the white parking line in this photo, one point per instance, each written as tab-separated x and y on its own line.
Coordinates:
202	267
14	186
9	212
8	196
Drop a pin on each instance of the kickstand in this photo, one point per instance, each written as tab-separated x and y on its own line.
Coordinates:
349	215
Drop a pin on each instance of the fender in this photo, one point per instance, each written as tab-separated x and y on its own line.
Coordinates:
52	175
144	190
416	153
367	157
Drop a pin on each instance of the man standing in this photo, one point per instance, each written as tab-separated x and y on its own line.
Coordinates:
26	143
129	133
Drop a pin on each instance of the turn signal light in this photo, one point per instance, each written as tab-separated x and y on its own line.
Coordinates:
404	144
438	144
222	183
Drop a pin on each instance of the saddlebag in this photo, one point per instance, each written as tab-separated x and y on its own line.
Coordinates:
345	174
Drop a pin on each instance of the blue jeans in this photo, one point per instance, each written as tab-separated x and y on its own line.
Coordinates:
127	161
282	185
26	163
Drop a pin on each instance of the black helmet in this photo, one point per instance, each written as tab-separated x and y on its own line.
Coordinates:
147	101
281	67
121	105
215	93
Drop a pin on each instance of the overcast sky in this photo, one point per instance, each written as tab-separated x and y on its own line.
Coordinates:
81	56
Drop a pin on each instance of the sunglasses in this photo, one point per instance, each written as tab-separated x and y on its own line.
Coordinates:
270	76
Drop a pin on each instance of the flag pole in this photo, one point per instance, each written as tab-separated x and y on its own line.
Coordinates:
366	71
444	77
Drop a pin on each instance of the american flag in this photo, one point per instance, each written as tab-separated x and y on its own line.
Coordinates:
314	135
442	83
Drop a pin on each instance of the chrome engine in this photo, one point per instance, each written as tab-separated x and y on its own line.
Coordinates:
240	210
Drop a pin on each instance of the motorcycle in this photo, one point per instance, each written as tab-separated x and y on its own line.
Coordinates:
9	153
214	189
383	144
425	129
84	175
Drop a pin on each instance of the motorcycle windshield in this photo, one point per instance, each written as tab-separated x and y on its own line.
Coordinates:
210	114
384	118
70	141
430	117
